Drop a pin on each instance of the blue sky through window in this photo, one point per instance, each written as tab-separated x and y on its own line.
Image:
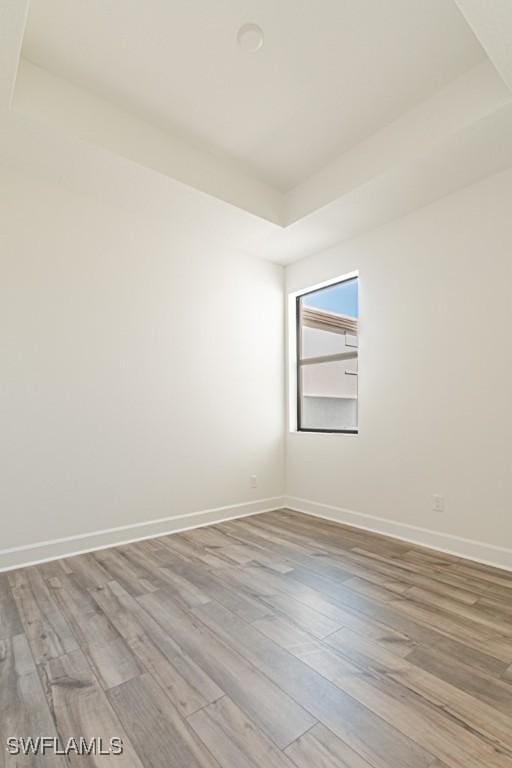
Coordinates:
342	298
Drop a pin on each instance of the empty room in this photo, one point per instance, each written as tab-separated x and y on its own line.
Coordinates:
256	383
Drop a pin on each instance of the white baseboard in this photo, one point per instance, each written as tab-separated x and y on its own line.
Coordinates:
489	554
43	551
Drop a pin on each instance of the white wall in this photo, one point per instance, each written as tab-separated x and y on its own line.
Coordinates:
435	384
120	403
141	368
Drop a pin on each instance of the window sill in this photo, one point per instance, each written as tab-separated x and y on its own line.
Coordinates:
333	397
354	432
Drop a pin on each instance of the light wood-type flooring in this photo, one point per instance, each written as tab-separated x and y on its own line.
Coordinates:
275	641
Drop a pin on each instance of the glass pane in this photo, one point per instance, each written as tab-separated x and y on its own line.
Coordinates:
329	395
342	298
328	326
317	342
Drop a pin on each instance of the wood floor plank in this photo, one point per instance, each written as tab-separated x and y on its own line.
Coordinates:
507	674
167	577
88	623
468	678
474	618
354	723
279	640
340	612
48	632
188	685
24	711
186	698
116	606
381	592
320	747
216	589
193	553
283	632
453	626
10	622
161	736
132	577
80	709
234	740
488	721
493	576
491	666
448	740
236	552
477	616
276	713
158	553
426	593
54	569
445	576
246	582
305	617
420	622
113	662
88	571
495	607
382	570
269	541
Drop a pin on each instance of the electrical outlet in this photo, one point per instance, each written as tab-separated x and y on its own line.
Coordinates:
438	503
254	481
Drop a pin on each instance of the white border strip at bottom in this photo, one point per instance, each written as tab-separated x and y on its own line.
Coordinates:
43	551
488	554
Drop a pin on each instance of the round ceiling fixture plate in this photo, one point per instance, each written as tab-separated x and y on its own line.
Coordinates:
250	37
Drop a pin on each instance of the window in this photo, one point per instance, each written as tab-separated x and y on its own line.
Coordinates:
327	357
